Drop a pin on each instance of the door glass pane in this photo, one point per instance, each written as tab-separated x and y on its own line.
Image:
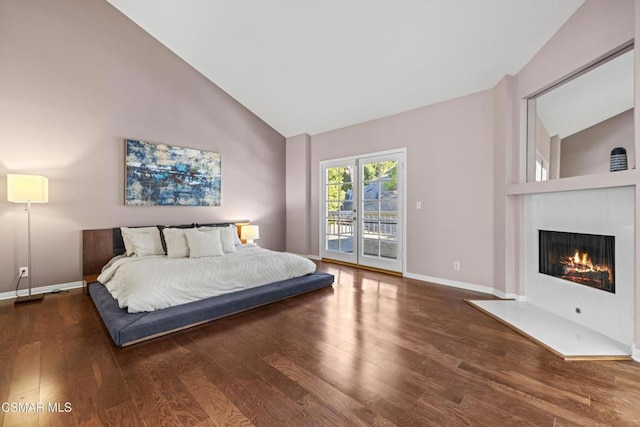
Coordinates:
389	205
371	207
332	225
346	174
346	244
370	229
333	192
346	224
389	170
388	188
333	209
333	175
370	247
371	171
371	190
347	197
389	219
332	242
388	249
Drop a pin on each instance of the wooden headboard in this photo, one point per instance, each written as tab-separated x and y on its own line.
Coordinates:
99	246
97	250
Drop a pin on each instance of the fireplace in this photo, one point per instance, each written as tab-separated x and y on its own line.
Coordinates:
586	259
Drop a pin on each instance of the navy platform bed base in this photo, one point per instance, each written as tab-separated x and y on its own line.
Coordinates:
129	328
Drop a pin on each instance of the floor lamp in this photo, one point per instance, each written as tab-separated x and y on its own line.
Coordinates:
28	189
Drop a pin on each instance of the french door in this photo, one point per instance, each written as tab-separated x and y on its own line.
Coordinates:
362	210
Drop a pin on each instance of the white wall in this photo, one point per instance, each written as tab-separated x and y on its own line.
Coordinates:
604	211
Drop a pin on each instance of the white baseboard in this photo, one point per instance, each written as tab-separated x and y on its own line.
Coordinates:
452	283
466	286
635	353
41	290
502	295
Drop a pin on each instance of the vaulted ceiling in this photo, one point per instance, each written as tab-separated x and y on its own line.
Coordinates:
309	66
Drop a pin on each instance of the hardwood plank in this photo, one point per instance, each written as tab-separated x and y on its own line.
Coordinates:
26	371
372	350
124	414
25	387
54	385
81	387
353	410
487	413
221	410
23	417
148	400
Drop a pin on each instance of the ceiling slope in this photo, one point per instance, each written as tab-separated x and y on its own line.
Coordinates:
311	66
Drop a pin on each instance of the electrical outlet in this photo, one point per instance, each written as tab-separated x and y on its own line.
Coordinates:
456	265
23	271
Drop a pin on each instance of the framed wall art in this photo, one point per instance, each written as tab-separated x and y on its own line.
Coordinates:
161	174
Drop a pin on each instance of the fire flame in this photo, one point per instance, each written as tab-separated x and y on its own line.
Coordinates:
581	263
584	261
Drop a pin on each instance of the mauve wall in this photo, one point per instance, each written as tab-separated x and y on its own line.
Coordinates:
76	78
449	169
589	151
298	194
595	29
506	250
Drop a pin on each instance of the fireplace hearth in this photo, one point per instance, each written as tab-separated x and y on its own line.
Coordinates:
586	259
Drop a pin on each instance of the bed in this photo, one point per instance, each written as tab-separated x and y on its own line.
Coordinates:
128	326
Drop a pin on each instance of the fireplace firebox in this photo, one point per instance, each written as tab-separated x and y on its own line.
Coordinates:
586	259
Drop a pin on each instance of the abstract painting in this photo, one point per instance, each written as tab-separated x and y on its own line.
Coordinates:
161	174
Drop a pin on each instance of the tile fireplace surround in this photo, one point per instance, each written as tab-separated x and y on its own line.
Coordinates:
580	320
608	211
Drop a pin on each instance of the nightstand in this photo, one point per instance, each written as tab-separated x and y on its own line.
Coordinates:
89	278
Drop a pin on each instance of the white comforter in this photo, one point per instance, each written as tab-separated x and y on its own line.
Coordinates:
154	282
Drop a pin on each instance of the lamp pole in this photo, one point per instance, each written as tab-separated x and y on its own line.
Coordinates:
29	243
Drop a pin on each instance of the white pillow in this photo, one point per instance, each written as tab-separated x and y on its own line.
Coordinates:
228	240
236	238
176	242
226	237
142	241
204	243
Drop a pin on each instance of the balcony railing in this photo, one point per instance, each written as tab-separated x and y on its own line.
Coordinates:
383	224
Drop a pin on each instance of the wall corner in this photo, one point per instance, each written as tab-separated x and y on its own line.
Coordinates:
298	193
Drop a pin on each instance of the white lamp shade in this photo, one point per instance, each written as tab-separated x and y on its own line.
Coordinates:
27	188
250	232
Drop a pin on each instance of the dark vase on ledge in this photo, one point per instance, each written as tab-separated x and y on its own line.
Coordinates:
618	159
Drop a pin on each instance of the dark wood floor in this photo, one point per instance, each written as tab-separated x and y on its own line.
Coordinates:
374	350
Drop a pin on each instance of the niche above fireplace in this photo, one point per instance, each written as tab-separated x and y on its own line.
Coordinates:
586	259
